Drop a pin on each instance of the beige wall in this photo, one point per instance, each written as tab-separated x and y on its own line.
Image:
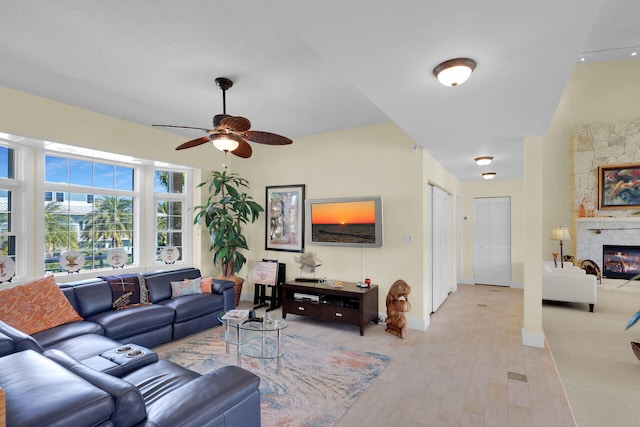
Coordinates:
373	160
367	161
595	93
514	189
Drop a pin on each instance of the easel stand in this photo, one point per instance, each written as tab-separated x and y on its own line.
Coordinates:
274	300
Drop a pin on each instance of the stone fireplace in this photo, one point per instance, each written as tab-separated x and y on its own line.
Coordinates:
594	145
593	233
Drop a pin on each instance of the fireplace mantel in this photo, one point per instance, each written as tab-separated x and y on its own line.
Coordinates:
593	232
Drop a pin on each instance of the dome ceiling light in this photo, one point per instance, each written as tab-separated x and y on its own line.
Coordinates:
483	161
489	175
454	72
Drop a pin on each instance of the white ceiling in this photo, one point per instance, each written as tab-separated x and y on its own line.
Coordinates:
303	68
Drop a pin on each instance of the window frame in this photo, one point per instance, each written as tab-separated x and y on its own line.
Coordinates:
186	199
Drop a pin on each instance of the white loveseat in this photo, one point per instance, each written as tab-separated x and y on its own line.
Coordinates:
568	284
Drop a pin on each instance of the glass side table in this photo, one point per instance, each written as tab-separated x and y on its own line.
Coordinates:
257	337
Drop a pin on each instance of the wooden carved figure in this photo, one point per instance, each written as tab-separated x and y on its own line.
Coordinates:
397	305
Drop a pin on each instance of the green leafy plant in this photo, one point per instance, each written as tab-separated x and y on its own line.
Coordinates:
226	212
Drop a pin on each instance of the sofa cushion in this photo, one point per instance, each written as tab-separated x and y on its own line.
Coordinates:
56	334
157	379
192	306
125	323
93	298
234	401
36	306
86	346
40	392
129	406
185	287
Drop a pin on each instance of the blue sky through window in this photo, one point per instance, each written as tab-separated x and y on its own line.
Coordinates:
86	173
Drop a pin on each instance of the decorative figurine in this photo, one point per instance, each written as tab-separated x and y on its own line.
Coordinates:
397	305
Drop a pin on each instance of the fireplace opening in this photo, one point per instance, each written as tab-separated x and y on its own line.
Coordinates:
620	261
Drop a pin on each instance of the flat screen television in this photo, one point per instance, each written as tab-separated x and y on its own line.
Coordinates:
352	221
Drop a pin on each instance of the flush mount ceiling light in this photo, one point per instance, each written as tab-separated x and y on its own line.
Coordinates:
454	72
489	175
483	161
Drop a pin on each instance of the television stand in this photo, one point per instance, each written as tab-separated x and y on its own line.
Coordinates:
308	280
347	304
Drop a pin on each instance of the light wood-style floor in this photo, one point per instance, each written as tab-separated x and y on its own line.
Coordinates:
468	368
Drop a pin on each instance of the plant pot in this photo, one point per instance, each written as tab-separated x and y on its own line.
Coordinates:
237	287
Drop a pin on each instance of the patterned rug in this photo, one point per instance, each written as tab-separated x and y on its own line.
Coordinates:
318	382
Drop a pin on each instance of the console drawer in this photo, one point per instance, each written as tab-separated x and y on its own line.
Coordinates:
302	308
334	313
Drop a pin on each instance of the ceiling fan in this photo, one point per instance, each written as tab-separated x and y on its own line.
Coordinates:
231	133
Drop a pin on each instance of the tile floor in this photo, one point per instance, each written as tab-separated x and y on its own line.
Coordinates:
468	368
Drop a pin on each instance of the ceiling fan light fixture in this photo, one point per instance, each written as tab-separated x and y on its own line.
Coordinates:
224	143
454	72
488	175
483	161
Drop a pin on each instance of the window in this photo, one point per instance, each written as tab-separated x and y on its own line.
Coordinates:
67	198
7	186
95	215
170	210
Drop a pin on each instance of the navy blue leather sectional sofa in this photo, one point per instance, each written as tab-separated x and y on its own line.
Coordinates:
65	375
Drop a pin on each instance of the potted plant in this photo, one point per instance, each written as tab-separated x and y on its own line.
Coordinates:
225	212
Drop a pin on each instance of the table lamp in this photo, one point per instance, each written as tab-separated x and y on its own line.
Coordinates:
561	234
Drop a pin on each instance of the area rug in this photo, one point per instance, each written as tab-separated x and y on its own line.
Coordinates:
318	382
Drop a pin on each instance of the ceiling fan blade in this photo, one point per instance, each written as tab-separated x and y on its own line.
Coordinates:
236	123
182	127
244	150
267	138
193	143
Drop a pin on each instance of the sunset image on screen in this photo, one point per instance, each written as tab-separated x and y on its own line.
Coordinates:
352	222
344	213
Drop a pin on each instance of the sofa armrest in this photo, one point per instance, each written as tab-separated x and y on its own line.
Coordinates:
205	399
21	341
129	405
227	290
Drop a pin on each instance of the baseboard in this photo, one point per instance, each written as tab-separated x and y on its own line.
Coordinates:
532	339
418	324
467	281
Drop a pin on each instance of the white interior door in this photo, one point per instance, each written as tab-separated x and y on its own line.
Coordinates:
440	247
492	241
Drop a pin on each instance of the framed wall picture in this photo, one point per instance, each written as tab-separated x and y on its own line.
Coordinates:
285	218
619	187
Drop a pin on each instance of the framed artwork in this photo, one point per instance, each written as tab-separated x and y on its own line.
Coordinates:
285	218
619	187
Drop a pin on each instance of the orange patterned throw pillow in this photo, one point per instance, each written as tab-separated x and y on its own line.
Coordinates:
36	306
205	284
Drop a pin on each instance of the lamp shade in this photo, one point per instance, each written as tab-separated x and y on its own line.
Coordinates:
560	233
454	72
225	143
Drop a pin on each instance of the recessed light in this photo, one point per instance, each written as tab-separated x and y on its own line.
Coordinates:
489	175
483	161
